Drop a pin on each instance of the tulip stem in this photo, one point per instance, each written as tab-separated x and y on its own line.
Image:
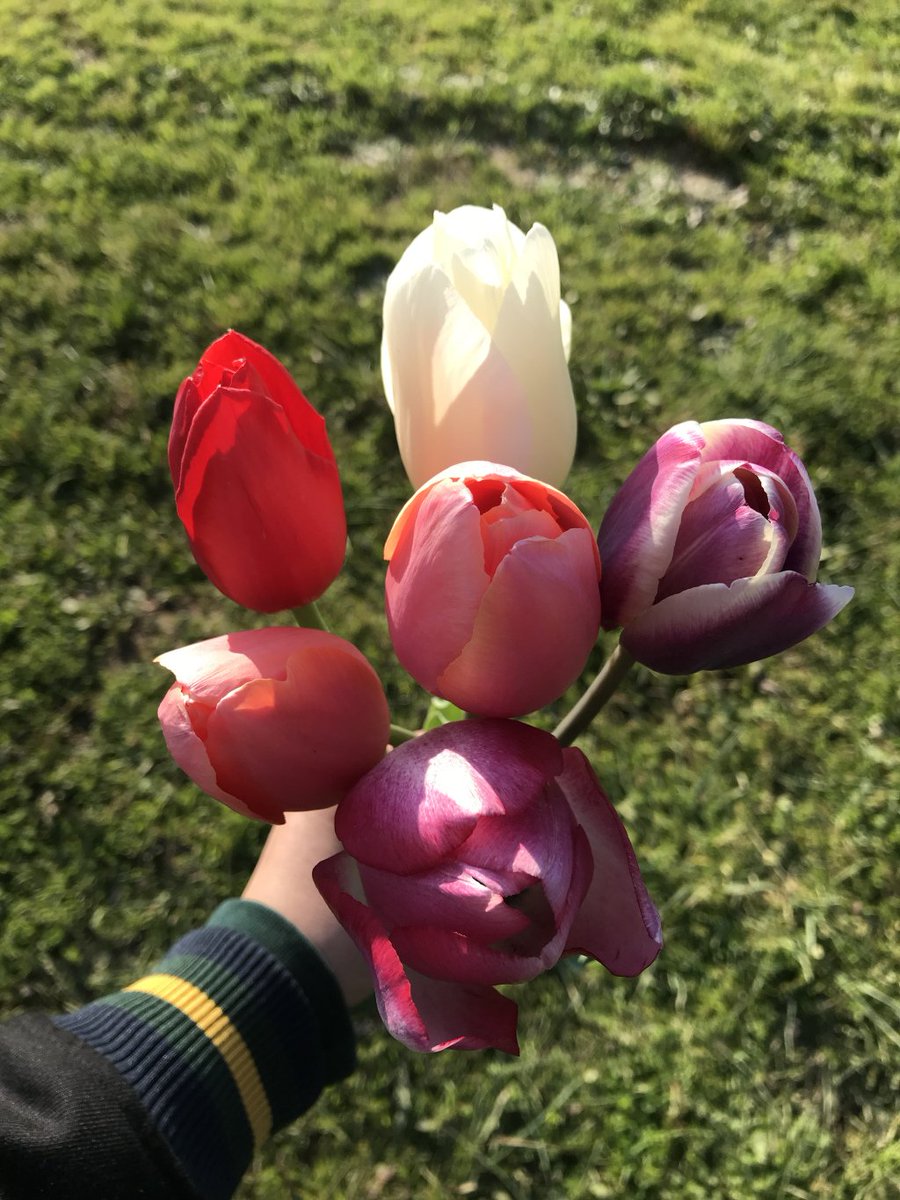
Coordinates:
309	617
400	734
611	674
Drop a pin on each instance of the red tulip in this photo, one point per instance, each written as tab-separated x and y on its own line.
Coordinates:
710	550
478	854
492	590
274	720
256	485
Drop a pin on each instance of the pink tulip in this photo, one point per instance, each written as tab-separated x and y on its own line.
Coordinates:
256	485
274	720
710	550
492	590
479	854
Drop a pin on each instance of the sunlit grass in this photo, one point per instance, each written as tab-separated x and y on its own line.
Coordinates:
721	179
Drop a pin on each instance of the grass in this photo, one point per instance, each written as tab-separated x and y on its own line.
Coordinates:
721	180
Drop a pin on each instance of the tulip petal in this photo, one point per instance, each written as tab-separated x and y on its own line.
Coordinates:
719	625
459	472
540	258
637	534
190	754
617	924
187	401
721	538
528	334
511	521
423	1014
245	479
280	743
537	845
425	797
458	956
226	354
540	588
450	897
218	665
455	396
435	582
760	444
565	328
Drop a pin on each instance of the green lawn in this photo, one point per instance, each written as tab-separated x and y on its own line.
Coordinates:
721	178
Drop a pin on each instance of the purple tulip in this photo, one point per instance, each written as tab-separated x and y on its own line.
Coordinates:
479	854
710	550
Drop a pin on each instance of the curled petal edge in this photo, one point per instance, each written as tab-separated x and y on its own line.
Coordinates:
426	1015
617	923
727	625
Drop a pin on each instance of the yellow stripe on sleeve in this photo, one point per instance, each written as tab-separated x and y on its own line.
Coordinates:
214	1023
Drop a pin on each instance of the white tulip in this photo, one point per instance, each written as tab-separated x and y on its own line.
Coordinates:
475	348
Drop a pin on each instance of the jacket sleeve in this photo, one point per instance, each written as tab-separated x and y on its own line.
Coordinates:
165	1089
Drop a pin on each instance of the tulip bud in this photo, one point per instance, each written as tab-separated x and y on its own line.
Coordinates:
710	550
274	720
479	854
492	589
475	348
256	485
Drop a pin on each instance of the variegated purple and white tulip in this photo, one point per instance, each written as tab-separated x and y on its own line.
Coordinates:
479	854
710	550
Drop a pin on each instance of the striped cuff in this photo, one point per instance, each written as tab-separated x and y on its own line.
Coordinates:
232	1036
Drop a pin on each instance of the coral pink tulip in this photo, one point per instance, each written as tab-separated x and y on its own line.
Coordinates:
710	550
492	589
256	485
476	855
274	720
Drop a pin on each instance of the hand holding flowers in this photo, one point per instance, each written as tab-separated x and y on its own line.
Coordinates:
481	852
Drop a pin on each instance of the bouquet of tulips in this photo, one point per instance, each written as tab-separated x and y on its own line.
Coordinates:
480	852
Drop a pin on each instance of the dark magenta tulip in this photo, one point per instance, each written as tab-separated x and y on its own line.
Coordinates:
256	484
710	550
479	854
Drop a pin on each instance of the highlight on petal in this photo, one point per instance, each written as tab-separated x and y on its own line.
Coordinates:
449	896
215	666
637	534
189	753
426	796
719	625
435	581
528	334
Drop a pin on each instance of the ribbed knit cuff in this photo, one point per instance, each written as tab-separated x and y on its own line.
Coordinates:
232	1036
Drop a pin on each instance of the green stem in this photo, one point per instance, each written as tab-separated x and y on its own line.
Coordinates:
610	676
400	734
309	617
